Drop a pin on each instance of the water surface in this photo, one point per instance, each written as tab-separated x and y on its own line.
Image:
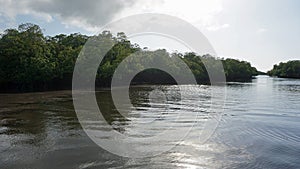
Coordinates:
260	128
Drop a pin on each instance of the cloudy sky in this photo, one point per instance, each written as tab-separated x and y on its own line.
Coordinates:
263	32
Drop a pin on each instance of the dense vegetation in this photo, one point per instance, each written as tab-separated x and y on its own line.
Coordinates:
290	69
30	61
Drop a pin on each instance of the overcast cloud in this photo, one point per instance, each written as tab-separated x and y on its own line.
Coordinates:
84	14
91	14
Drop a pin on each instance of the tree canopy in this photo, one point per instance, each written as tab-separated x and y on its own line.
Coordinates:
290	69
31	61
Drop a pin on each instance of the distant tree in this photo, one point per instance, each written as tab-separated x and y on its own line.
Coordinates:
290	69
29	61
238	70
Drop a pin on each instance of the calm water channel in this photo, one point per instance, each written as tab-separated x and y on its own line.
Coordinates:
260	128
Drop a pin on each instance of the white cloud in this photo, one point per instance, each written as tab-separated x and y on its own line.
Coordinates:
11	8
92	14
262	30
201	13
79	13
217	27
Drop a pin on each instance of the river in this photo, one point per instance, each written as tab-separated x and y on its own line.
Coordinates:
259	128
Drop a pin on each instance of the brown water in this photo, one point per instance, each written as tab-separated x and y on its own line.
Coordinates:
260	128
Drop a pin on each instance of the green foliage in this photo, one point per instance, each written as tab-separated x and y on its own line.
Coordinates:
29	61
290	69
236	70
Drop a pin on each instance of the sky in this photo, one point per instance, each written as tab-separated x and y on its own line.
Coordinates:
263	32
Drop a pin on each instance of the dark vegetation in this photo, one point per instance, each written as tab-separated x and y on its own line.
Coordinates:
290	69
30	61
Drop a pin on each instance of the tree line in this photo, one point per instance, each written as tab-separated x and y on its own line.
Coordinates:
290	69
31	61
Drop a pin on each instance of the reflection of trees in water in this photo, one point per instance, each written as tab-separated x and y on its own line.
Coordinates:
39	128
289	88
36	117
140	100
109	111
141	96
24	123
286	84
